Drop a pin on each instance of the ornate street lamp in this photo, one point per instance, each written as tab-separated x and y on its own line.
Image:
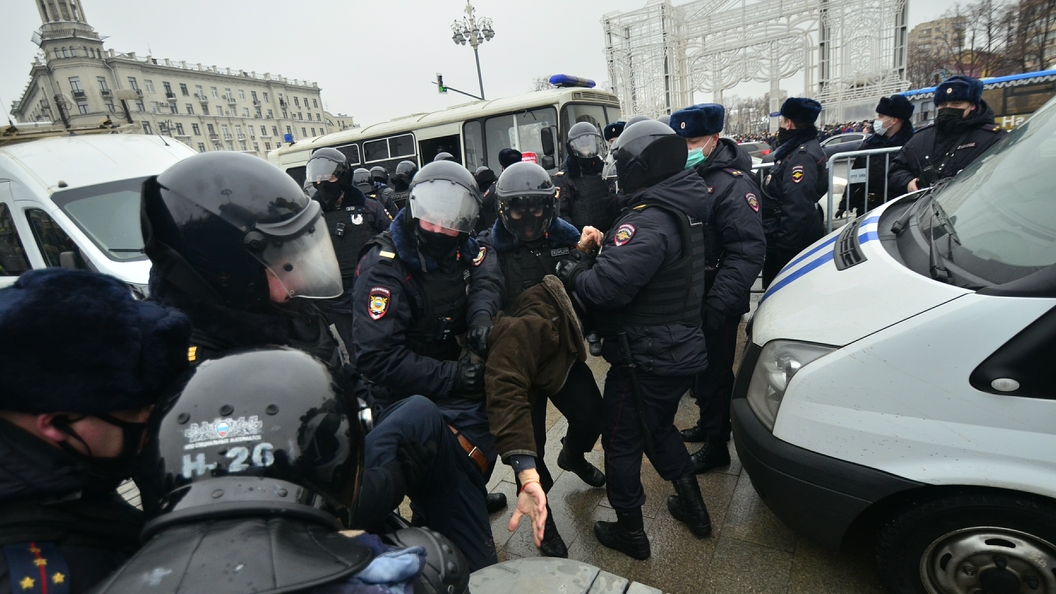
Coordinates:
474	31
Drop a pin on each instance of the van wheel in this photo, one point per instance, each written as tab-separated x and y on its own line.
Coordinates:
970	544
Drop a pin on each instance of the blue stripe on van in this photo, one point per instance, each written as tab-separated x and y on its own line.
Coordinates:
827	257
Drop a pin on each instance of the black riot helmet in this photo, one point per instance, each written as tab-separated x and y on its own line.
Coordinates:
443	156
379	174
585	142
484	176
362	179
329	173
445	194
222	226
405	171
646	154
525	198
262	432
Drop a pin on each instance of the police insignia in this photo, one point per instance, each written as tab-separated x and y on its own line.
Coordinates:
378	302
753	202
357	219
480	256
797	174
623	234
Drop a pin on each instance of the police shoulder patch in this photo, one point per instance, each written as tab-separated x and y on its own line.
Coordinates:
378	302
624	233
797	174
480	256
753	201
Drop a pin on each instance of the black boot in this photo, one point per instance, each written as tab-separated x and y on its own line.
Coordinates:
576	463
710	456
693	435
495	502
687	505
625	535
552	545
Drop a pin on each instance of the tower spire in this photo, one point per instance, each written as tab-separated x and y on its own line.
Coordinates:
54	11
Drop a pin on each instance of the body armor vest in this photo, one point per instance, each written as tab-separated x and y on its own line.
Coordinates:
592	204
675	293
524	267
350	230
400	198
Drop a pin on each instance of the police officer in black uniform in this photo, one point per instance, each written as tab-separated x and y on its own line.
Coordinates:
527	241
892	128
793	187
486	179
644	294
963	130
421	288
83	363
364	181
252	272
734	253
583	197
405	171
351	218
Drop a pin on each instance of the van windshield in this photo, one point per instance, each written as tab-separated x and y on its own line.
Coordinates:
109	215
1000	213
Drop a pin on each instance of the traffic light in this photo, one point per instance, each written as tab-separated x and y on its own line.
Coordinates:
440	83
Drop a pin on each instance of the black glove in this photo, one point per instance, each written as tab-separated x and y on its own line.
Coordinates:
568	270
470	379
415	460
477	335
714	320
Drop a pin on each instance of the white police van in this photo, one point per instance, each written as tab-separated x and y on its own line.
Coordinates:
73	201
900	376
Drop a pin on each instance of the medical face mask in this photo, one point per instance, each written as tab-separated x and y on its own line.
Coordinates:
696	157
878	128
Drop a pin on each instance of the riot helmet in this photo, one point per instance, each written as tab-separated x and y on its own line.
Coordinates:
443	156
362	179
525	200
665	119
261	432
444	204
405	171
234	229
634	120
379	174
485	177
328	172
585	142
646	154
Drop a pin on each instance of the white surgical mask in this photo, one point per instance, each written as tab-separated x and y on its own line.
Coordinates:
878	127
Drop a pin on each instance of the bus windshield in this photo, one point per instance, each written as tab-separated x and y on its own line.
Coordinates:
109	215
522	131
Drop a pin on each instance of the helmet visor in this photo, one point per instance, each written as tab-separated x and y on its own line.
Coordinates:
608	172
527	217
444	203
304	263
587	146
321	169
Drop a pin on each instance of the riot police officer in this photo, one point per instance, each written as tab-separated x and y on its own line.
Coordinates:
486	182
351	218
528	240
644	294
364	181
963	130
583	197
793	187
405	171
83	363
252	272
734	254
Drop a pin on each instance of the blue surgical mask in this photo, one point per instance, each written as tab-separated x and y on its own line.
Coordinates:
696	157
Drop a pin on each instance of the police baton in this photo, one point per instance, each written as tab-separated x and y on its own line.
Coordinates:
631	370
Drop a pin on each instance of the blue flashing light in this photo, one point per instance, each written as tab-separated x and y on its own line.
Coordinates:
565	80
288	138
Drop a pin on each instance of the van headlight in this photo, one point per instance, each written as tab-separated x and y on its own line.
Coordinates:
778	362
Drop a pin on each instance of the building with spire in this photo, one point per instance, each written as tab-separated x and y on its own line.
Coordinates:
76	82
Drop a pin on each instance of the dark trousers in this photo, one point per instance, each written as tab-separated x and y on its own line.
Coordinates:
623	440
775	261
713	387
453	501
470	417
579	400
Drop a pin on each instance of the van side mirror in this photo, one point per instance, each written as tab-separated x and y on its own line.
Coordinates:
546	139
68	260
546	162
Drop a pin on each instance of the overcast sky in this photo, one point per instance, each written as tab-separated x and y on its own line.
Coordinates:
373	60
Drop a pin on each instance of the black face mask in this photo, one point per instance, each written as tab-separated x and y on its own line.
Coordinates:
437	245
330	192
784	136
948	118
117	468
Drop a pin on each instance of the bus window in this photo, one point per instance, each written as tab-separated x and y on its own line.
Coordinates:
574	113
298	174
474	138
401	146
521	131
613	113
351	152
376	150
428	149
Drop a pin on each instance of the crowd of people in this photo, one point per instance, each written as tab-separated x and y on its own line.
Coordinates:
312	356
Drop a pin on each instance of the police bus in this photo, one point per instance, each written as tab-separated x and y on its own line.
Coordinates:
473	133
1013	98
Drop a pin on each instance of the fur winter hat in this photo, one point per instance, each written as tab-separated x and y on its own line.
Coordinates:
801	109
895	106
959	88
699	120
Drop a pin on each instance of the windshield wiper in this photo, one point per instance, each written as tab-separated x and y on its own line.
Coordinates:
938	269
944	220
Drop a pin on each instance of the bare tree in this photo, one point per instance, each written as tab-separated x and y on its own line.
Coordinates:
541	83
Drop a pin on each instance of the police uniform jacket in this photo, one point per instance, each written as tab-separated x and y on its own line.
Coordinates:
735	245
520	265
643	241
947	154
61	530
388	306
351	225
792	189
583	198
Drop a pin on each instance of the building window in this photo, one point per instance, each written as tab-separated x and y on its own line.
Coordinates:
82	107
198	92
154	107
149	84
225	130
238	131
274	130
303	131
289	130
57	54
179	129
146	128
215	94
271	114
263	130
184	91
65	53
253	94
318	117
227	93
297	101
267	146
243	145
139	105
102	83
205	108
168	88
173	108
241	94
245	112
266	96
132	83
75	84
190	109
201	147
197	130
313	131
210	128
256	147
284	116
315	104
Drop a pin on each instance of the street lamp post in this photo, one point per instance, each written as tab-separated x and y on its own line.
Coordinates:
474	31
